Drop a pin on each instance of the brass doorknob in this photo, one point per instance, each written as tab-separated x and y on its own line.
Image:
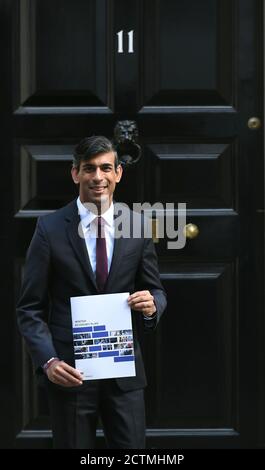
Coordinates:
254	123
191	231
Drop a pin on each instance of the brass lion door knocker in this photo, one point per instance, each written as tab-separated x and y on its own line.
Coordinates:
126	142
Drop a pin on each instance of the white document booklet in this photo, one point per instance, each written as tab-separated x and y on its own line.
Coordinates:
103	336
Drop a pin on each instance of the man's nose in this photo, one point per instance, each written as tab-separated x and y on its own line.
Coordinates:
98	174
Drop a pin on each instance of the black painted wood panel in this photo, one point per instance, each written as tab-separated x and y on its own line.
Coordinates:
198	369
62	51
204	175
191	84
188	53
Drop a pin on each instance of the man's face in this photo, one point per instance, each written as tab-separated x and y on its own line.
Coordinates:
97	179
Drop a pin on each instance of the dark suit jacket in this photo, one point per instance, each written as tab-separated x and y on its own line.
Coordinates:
58	267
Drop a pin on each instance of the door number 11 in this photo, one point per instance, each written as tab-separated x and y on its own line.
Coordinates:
130	41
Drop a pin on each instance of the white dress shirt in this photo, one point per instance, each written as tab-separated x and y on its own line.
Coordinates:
89	226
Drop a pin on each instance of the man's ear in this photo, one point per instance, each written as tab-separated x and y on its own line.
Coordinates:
119	171
75	175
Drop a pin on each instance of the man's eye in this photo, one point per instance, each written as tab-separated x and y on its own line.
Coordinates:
107	168
88	169
91	169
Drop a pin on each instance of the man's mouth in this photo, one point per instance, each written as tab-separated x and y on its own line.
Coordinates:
97	187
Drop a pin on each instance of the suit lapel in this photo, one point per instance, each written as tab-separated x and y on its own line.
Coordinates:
119	245
78	243
116	258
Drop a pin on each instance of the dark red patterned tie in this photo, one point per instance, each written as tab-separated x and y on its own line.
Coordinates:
101	254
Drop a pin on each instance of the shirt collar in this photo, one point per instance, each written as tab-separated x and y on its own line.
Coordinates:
88	216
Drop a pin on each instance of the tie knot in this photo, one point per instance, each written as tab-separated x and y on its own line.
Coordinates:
100	221
100	227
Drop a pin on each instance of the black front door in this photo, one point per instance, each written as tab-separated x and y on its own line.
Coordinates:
188	73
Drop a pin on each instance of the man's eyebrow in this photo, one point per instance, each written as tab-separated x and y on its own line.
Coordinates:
87	164
91	165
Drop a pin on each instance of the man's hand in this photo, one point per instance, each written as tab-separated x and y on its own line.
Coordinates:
142	301
61	373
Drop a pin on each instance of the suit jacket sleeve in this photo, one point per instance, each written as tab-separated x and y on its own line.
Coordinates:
148	279
33	304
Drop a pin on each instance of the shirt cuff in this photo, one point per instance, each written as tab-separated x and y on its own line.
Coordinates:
47	364
150	317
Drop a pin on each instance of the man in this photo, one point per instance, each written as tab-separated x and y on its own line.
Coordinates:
63	262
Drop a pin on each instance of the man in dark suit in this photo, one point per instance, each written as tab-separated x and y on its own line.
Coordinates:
63	262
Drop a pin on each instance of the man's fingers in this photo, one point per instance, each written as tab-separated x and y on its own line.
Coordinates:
143	293
66	380
143	304
63	374
61	381
71	370
142	296
142	301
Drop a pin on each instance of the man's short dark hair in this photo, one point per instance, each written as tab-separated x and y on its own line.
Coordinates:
90	147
